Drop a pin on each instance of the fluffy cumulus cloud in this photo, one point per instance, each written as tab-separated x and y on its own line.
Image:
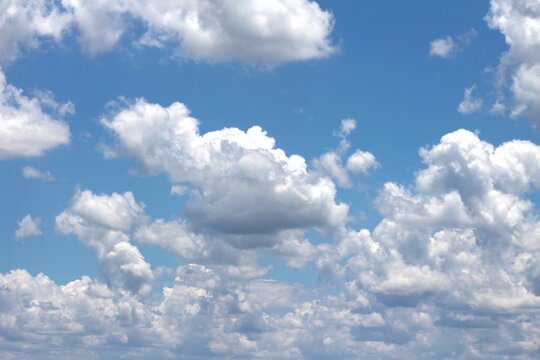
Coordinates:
519	22
28	226
243	184
260	31
30	125
451	271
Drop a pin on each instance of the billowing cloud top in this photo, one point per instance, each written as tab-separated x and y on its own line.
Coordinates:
243	184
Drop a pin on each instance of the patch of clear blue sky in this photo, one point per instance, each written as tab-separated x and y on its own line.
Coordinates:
382	76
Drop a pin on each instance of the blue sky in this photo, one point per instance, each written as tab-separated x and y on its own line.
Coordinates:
275	179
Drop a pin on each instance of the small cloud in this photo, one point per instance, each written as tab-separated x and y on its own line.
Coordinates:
179	189
441	47
28	227
470	104
347	125
448	46
361	162
30	172
498	108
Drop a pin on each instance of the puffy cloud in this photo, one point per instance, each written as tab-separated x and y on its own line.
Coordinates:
260	31
28	227
26	129
519	22
30	172
244	184
441	47
451	271
466	221
23	24
101	222
470	104
250	31
361	162
331	162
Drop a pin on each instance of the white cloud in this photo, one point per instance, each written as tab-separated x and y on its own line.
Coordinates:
101	222
28	227
519	22
24	23
249	31
347	126
442	47
331	162
25	128
470	104
246	185
30	172
454	260
449	46
361	162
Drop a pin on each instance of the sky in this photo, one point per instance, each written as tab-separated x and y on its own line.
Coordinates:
274	179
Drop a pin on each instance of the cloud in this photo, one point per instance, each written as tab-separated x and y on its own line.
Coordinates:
28	227
24	24
255	32
30	172
453	261
448	46
442	47
25	128
245	186
470	104
101	222
519	22
361	162
331	162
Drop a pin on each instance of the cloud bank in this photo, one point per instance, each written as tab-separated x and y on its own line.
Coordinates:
454	257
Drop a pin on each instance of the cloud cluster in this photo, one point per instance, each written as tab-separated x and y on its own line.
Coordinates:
519	22
453	261
261	31
30	125
331	162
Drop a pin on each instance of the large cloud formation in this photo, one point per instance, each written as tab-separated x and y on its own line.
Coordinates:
261	31
451	271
